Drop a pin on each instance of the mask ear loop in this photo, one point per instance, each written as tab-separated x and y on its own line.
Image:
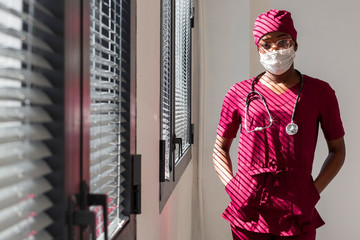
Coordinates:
248	99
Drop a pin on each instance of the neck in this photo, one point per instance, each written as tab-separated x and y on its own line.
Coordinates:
280	83
289	77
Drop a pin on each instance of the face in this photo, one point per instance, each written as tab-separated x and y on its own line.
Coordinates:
275	41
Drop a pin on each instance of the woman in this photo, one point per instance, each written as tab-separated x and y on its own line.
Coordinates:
273	195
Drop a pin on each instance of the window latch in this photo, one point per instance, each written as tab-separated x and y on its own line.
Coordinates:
83	217
178	141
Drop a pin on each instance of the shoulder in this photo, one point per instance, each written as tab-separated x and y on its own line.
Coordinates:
315	82
242	85
316	85
319	91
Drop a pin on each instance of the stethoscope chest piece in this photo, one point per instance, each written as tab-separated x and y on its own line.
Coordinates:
292	128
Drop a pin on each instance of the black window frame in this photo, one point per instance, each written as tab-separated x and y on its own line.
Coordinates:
70	80
174	144
131	166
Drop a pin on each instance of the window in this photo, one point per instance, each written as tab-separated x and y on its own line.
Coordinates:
67	119
31	120
176	127
110	113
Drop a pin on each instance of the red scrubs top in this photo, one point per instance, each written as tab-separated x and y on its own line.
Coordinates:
273	191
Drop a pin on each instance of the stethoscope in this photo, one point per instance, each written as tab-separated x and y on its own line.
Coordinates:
292	128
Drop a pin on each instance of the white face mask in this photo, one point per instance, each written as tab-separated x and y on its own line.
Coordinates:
278	62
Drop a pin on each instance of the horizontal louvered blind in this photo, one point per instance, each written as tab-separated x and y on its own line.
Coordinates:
25	117
109	121
166	91
182	74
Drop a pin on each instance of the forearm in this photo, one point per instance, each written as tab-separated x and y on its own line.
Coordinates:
222	160
223	166
331	167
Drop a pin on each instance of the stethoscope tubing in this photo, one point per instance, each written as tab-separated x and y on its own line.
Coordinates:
257	93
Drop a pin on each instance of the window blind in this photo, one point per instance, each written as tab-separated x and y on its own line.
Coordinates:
166	91
175	79
109	109
27	158
182	74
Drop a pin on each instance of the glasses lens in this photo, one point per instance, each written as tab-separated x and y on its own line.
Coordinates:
266	46
283	44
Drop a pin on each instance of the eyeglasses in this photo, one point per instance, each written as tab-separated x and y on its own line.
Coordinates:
281	44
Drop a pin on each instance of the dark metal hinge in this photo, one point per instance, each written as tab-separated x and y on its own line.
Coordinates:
162	163
192	133
192	21
136	186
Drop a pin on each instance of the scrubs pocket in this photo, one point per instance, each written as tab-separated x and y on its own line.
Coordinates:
242	190
316	193
307	198
231	187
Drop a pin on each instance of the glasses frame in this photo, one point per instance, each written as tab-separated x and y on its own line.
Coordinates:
264	50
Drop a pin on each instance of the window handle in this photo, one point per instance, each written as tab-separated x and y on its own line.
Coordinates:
100	199
83	216
87	199
178	141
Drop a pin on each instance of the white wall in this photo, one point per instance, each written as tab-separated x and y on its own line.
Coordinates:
225	60
179	218
327	36
327	31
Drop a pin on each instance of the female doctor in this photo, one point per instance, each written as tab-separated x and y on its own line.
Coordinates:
273	194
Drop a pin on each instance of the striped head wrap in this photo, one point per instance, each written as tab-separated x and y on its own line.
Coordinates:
273	21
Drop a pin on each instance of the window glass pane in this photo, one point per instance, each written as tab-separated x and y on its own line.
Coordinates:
176	78
182	74
166	91
108	112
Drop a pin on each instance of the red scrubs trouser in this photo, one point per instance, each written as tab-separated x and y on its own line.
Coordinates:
241	234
